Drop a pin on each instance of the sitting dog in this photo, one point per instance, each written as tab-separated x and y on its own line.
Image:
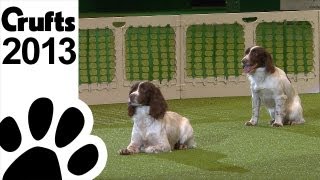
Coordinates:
270	86
154	128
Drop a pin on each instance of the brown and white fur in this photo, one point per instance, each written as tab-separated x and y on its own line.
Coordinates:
271	86
154	128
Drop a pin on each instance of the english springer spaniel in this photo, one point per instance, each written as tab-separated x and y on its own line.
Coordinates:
154	128
271	86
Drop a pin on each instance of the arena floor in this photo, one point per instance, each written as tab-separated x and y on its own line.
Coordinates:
226	149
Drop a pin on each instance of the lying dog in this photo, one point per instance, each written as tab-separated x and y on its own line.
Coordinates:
154	128
271	86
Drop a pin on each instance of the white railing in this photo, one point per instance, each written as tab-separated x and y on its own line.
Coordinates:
182	85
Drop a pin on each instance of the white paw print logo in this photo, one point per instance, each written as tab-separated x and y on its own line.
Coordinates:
61	148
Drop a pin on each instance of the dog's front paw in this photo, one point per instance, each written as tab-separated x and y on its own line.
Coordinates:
156	149
125	152
249	123
183	146
179	146
271	121
277	124
151	149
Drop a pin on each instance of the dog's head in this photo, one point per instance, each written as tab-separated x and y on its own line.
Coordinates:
147	94
257	57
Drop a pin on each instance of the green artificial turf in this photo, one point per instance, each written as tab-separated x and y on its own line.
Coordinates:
226	149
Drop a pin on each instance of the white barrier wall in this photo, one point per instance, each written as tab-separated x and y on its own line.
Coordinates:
204	53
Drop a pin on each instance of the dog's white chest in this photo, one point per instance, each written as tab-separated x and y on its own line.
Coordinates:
144	124
265	88
267	97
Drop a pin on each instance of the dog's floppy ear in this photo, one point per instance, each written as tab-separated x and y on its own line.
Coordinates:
158	105
131	110
269	62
